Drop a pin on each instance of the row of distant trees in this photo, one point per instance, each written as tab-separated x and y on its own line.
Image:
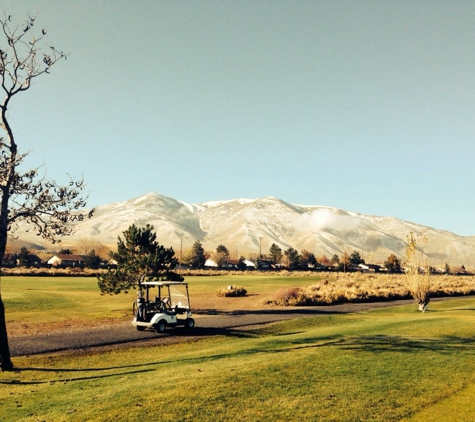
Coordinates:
95	255
291	258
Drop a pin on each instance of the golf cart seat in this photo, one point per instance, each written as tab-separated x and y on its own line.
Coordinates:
167	307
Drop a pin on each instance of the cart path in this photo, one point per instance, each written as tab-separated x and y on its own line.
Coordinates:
208	323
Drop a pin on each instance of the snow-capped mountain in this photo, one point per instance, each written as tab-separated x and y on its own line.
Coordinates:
250	226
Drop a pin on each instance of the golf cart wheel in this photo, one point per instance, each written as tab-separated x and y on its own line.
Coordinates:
140	328
160	327
189	323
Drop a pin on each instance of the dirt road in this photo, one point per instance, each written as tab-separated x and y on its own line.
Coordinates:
208	323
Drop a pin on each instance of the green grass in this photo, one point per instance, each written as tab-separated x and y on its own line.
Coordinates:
38	300
384	365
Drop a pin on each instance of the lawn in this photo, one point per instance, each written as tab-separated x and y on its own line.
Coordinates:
43	303
384	365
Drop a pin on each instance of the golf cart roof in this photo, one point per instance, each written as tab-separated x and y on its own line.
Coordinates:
163	283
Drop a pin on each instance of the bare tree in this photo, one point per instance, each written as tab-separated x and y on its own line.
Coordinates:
418	270
27	196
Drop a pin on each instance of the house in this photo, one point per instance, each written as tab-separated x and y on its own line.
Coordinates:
111	264
371	268
313	267
264	264
33	261
249	264
13	260
210	263
10	260
66	261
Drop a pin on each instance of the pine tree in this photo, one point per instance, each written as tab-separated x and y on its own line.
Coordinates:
23	256
355	258
275	253
292	257
222	255
197	257
139	258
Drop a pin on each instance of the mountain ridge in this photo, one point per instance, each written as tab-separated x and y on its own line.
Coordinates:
248	227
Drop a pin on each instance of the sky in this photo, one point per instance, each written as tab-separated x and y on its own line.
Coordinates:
367	106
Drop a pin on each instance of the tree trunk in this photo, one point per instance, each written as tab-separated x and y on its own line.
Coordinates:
5	361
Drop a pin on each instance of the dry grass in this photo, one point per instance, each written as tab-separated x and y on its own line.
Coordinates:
356	287
51	272
231	291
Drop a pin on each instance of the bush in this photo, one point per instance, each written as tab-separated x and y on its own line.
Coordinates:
419	282
287	296
231	291
355	287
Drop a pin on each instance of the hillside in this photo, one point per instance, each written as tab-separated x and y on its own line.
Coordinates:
248	226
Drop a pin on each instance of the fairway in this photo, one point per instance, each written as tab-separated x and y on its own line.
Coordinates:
384	365
43	304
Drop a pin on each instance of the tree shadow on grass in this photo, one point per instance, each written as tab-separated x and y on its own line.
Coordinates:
176	333
372	344
66	380
386	343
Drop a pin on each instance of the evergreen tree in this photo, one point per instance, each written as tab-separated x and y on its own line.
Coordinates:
275	253
23	257
139	258
355	258
222	255
307	259
92	260
292	257
197	256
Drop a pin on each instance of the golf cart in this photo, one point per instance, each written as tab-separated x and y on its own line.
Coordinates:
161	304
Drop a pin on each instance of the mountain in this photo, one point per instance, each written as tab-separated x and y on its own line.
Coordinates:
248	226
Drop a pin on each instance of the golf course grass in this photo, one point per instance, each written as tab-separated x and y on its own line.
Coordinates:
384	365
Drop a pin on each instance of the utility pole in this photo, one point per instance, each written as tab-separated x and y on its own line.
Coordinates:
181	252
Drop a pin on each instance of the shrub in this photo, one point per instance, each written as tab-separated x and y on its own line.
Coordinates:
418	272
231	291
287	296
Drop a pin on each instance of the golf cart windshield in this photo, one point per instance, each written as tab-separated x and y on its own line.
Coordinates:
174	293
179	296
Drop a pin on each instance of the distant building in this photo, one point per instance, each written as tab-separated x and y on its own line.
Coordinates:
372	268
66	261
265	264
210	263
249	264
13	260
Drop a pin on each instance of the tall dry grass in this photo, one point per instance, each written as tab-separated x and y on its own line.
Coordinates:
337	288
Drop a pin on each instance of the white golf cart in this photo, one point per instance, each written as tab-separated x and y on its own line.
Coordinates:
162	304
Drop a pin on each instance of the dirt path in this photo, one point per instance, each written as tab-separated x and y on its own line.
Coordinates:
209	322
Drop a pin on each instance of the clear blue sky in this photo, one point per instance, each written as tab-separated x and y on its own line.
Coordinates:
368	106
